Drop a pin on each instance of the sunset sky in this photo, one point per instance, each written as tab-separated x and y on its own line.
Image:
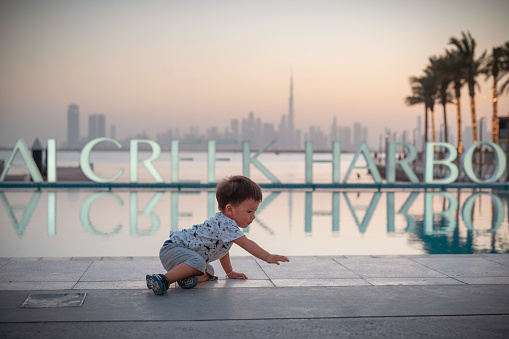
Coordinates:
151	65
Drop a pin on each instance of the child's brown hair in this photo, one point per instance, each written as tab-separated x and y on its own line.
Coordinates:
236	189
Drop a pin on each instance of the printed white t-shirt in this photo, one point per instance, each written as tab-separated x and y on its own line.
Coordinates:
212	239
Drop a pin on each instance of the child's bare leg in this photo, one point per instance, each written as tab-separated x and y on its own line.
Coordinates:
182	271
204	277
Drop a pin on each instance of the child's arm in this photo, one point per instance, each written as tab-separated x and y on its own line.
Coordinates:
259	252
227	267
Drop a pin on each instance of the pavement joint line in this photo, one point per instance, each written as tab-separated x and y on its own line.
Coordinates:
464	283
261	319
495	262
459	277
360	277
257	263
79	279
431	268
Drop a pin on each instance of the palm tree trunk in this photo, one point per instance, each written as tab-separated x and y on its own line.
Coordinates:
460	130
433	134
445	125
425	125
474	120
494	120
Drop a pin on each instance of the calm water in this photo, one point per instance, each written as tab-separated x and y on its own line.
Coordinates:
135	223
82	222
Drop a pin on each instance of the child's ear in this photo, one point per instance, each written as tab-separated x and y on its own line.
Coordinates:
228	209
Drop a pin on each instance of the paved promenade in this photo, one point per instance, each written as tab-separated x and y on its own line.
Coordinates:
346	296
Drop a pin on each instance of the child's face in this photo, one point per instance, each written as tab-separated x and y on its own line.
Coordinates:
243	213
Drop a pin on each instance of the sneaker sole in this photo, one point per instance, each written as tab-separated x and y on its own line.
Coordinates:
188	286
154	284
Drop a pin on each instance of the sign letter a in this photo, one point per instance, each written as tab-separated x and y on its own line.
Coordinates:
29	162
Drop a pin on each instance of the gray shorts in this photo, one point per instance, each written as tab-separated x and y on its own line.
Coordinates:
172	255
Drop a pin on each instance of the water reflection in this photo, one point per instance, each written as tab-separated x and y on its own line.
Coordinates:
26	211
443	235
85	212
304	222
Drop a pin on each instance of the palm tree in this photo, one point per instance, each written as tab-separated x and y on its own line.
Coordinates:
424	90
472	67
494	68
417	98
441	66
505	67
456	72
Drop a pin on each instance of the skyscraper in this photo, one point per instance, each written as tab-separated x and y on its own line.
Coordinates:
357	135
282	137
346	139
234	125
334	135
291	127
92	126
113	132
420	139
96	126
101	125
73	126
467	137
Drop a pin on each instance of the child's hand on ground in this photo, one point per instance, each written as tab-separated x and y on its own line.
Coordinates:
235	275
275	259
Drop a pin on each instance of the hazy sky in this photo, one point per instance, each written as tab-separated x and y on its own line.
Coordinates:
151	65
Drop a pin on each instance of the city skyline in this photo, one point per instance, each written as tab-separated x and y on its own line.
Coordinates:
252	128
165	64
261	133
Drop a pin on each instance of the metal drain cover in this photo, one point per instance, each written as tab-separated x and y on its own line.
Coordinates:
54	300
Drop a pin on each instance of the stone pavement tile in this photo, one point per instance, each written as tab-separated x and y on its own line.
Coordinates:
473	266
471	326
39	285
485	280
255	303
43	270
149	258
86	258
306	268
55	259
360	256
117	258
369	267
499	258
319	282
441	256
111	285
412	281
236	283
121	270
246	265
26	259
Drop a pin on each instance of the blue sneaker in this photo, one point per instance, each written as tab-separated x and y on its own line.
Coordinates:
155	284
188	282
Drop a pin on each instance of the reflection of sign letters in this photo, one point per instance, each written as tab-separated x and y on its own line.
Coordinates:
27	212
147	212
446	214
435	219
86	221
